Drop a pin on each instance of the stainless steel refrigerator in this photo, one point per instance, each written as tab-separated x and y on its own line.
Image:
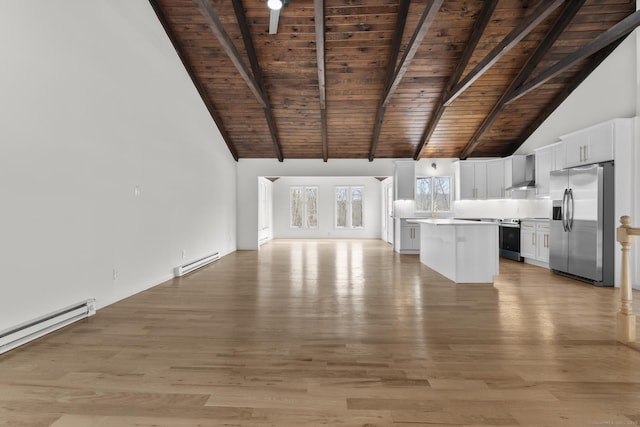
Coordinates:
582	237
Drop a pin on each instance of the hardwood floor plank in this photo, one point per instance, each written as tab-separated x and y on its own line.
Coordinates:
333	332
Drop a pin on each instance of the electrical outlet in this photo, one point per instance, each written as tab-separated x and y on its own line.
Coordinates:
115	274
184	253
136	191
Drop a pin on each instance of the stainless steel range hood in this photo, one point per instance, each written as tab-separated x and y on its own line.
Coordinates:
526	180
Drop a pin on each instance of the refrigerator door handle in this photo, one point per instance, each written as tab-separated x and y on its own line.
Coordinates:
564	211
570	221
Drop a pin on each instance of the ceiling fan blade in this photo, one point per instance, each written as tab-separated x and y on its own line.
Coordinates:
273	21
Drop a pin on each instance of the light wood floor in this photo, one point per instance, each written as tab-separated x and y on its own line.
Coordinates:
333	333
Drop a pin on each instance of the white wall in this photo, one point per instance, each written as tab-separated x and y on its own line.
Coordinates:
609	92
96	103
326	208
250	169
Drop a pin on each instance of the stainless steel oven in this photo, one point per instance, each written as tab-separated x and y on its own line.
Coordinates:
509	240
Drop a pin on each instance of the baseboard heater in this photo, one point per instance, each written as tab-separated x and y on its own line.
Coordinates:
29	331
192	266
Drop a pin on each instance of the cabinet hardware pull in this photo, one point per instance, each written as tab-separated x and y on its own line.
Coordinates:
533	239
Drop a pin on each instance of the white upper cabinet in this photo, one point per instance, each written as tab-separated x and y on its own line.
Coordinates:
548	159
558	156
489	179
543	169
495	178
470	180
591	145
405	180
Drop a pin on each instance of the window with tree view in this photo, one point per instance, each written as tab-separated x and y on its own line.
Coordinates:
433	193
303	207
349	207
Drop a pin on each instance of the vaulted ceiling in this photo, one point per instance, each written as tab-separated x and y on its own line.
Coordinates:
389	78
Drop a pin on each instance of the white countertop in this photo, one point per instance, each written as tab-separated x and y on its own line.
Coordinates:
450	221
535	220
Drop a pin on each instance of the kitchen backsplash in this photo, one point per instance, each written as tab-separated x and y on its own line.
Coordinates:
507	208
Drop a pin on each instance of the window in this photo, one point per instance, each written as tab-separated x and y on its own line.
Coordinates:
303	207
433	193
349	207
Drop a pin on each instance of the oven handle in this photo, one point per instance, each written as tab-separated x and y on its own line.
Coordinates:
510	225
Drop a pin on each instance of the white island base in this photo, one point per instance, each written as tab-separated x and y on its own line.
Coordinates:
462	251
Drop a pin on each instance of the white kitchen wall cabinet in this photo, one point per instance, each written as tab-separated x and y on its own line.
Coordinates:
549	158
543	169
591	145
514	173
495	178
405	180
470	180
558	156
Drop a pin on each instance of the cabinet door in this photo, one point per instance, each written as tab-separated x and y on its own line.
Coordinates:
508	173
558	156
406	235
543	169
528	240
575	148
466	181
415	240
404	180
542	247
600	146
495	179
480	179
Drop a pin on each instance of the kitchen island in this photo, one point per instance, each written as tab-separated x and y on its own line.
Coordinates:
463	251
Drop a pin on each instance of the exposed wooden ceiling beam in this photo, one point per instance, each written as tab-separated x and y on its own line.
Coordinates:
319	21
213	22
541	50
594	62
238	8
401	22
199	87
613	34
257	74
478	29
425	22
530	22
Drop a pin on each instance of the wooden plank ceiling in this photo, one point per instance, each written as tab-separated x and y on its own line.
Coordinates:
389	78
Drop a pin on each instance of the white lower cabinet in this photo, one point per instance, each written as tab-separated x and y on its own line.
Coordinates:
528	240
542	246
534	242
410	237
407	237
